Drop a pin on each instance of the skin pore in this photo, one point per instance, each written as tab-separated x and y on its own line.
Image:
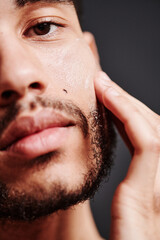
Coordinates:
39	61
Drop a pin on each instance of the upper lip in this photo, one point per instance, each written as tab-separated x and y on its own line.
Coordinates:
28	125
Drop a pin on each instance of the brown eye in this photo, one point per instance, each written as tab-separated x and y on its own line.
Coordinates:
42	28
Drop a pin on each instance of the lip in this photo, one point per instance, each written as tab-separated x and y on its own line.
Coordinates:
32	136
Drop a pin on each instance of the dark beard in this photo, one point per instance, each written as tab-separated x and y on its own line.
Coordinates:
22	207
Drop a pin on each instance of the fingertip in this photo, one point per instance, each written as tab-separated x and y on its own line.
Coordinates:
103	79
99	83
102	85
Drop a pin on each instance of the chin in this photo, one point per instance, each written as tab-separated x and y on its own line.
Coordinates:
58	180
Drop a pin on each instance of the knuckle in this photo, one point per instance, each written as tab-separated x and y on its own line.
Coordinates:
153	144
129	117
122	189
156	203
156	144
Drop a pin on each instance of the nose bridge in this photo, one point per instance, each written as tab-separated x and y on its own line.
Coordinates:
19	70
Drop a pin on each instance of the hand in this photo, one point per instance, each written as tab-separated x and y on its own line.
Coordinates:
136	204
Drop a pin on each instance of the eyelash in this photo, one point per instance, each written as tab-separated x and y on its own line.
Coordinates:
46	36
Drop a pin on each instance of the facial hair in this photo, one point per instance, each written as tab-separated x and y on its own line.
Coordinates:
21	206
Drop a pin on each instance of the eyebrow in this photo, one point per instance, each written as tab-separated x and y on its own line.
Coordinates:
22	3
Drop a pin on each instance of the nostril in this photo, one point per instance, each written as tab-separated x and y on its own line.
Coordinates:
8	94
36	85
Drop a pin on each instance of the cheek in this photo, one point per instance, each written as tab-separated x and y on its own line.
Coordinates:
73	68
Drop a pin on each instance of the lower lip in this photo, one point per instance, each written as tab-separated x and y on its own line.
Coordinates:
40	143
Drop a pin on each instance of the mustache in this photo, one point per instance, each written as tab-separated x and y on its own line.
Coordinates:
66	107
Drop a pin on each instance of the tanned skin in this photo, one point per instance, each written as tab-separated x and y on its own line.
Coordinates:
43	52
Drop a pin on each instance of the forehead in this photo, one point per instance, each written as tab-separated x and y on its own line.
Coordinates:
11	7
21	3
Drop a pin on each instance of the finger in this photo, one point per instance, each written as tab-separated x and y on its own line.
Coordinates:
133	116
107	80
140	131
142	172
120	126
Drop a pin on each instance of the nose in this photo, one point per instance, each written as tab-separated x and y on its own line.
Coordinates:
20	72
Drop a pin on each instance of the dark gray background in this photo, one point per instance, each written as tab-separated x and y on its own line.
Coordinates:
128	38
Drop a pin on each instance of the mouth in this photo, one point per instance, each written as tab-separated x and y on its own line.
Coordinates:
33	136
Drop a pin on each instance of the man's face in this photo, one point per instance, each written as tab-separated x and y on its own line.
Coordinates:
50	141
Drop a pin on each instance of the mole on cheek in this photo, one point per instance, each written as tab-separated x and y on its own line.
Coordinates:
65	90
